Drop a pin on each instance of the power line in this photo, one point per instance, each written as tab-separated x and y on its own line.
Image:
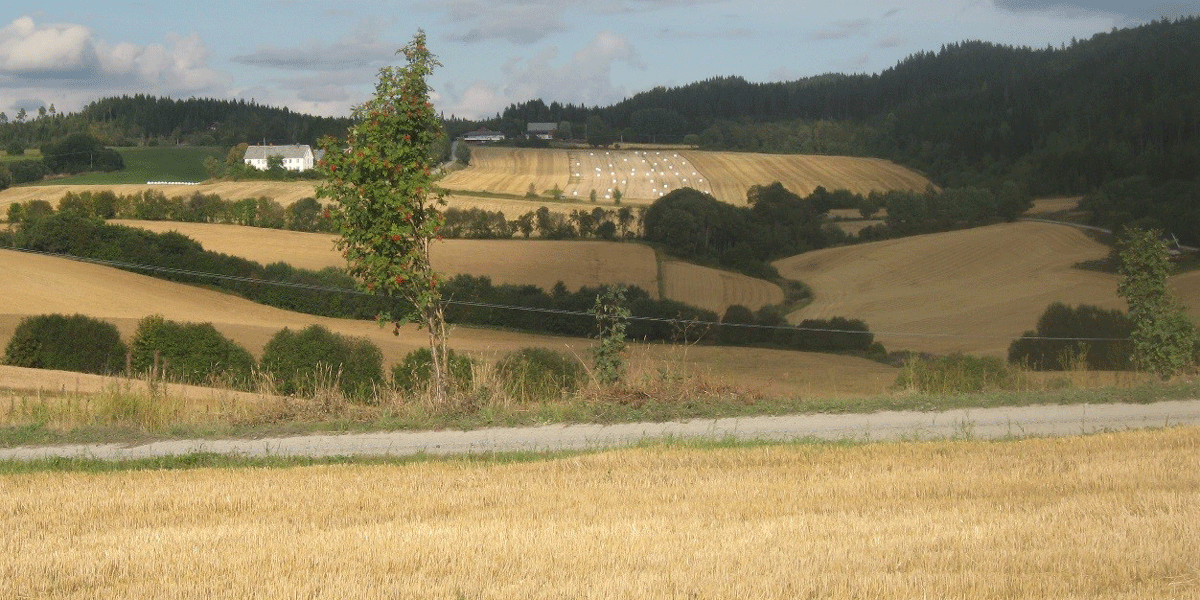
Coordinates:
552	311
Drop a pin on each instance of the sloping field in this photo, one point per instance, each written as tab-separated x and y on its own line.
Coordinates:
283	192
697	284
538	262
972	291
733	173
511	170
34	285
645	175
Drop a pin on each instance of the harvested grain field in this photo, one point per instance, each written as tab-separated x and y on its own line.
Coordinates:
283	192
510	171
1112	516
733	173
716	290
35	285
643	176
972	291
522	262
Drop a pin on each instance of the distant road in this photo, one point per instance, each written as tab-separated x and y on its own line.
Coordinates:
1091	228
980	423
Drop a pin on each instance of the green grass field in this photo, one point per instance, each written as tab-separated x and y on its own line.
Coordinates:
185	163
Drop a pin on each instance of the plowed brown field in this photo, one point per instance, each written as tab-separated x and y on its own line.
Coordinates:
34	285
971	291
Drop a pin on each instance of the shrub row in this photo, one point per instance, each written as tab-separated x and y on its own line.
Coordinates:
297	363
306	214
330	292
1087	335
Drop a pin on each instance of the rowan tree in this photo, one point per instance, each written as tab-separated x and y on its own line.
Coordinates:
1164	339
381	181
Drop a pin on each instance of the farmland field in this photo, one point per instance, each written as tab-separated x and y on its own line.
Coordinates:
645	175
35	285
1112	516
185	163
536	262
972	291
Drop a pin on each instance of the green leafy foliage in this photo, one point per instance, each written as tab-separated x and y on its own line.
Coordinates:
414	372
299	362
28	171
1164	339
539	374
612	319
381	181
194	353
80	152
1112	352
67	343
956	374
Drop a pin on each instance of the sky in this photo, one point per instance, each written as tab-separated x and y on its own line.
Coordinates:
322	56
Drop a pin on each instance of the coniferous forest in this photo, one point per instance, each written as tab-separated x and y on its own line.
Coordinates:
1115	118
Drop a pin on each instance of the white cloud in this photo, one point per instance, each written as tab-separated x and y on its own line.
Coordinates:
584	79
50	51
361	47
63	60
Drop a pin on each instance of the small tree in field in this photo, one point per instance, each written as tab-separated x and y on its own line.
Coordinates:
385	209
1163	337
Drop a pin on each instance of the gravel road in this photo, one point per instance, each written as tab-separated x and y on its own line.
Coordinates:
979	423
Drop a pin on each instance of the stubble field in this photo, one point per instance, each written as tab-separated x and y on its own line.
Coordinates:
1113	516
35	285
645	175
538	262
970	291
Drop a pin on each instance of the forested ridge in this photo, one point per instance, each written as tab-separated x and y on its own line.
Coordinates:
1115	118
142	119
1059	120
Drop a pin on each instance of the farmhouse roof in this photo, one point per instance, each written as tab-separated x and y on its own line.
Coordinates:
290	151
541	127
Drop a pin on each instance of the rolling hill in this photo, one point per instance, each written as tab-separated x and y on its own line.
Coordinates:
970	291
36	285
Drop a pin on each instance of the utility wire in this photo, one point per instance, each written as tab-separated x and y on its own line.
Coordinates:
553	311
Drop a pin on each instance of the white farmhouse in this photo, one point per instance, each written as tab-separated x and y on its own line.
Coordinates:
296	157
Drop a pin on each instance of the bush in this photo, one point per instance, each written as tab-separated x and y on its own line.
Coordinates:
539	374
28	171
194	353
413	373
955	374
1061	321
75	343
301	363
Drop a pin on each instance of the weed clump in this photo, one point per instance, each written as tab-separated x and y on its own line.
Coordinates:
956	374
539	374
413	373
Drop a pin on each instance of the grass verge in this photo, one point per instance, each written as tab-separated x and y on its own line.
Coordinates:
127	414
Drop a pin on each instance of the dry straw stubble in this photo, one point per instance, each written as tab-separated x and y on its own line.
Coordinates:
1108	516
